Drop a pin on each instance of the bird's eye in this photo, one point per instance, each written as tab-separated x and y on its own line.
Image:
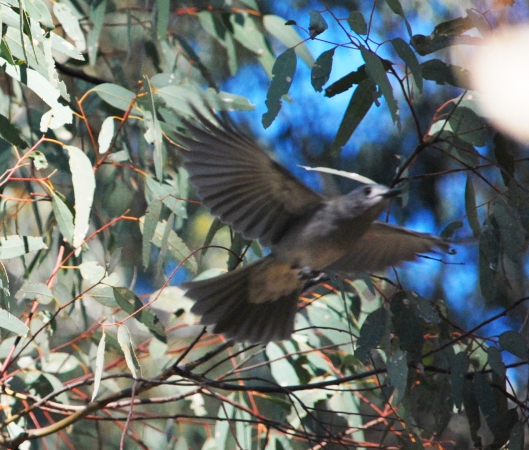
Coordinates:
367	190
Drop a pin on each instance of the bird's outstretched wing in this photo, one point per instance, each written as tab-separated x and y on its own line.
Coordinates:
238	182
385	245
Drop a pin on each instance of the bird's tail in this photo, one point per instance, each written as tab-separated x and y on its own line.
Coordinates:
256	303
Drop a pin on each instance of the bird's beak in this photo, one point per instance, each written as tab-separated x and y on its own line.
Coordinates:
392	193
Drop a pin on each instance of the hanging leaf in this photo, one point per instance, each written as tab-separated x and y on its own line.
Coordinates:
127	347
317	24
11	323
470	206
408	56
14	246
283	74
357	22
100	362
11	134
321	70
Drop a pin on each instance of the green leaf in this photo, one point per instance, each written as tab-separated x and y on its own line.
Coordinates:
377	72
373	330
84	185
288	36
346	82
38	11
458	370
426	310
472	411
100	363
450	229
361	101
11	134
514	343
502	146
35	291
4	287
496	362
282	369
516	439
216	225
153	134
168	195
175	245
317	24
116	96
63	215
162	18
283	74
152	216
468	126
70	24
408	56
396	7
11	323
130	303
127	347
39	159
398	374
97	17
59	362
106	134
489	252
512	233
442	73
406	323
470	206
14	246
321	70
357	22
485	398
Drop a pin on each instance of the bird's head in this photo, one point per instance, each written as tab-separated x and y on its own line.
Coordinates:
368	201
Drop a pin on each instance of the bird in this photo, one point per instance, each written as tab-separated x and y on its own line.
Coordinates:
309	235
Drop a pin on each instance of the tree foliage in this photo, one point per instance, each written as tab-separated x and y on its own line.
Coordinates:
99	223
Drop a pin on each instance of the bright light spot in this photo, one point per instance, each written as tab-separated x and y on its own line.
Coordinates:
500	72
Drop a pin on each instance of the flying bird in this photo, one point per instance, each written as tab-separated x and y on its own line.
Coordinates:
308	234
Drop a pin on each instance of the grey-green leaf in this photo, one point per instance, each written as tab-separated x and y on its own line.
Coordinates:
317	24
14	246
10	133
357	22
321	70
408	56
283	74
63	215
100	362
377	73
514	343
458	371
11	323
470	206
398	374
152	216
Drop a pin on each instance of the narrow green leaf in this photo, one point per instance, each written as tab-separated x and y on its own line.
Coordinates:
321	70
288	36
63	215
357	22
4	287
84	185
408	56
485	398
514	343
458	370
450	229
153	134
345	83
162	18
489	252
373	330
14	246
70	24
377	72
97	17
282	370
317	24
116	96
516	439
361	101
406	323
442	73
11	323
398	374
127	347
38	11
169	225
35	291
512	233
471	405
396	7
216	225
470	206
151	218
106	134
283	74
175	245
11	134
100	363
502	146
130	303
496	362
